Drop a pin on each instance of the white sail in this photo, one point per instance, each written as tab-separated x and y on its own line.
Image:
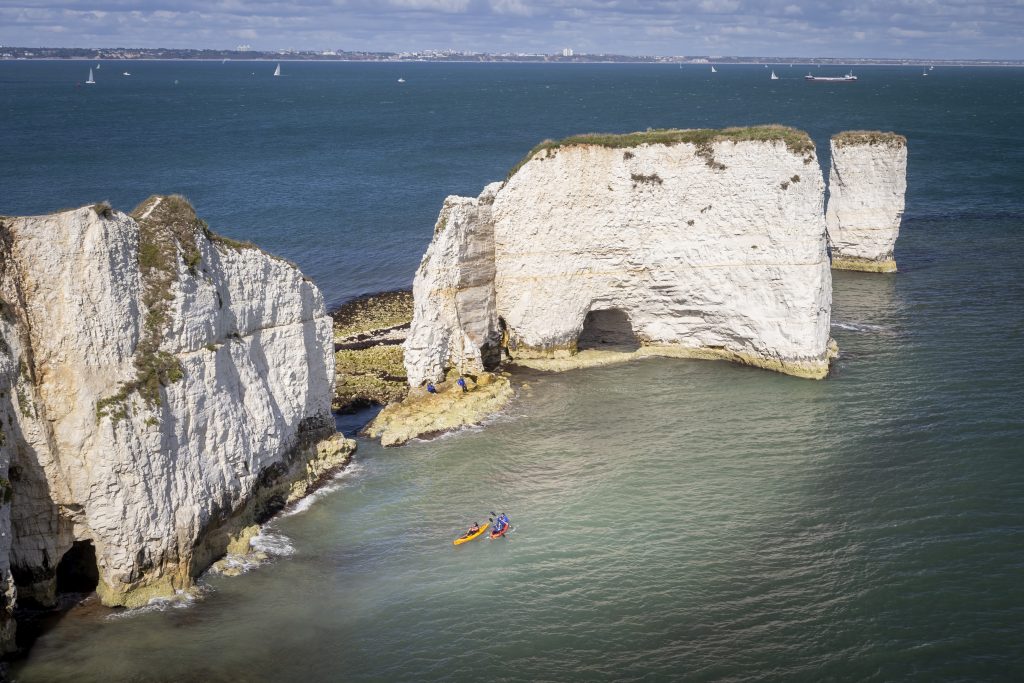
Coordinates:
774	77
713	70
277	71
91	80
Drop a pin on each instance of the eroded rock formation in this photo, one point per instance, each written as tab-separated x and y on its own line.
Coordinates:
162	388
867	184
697	243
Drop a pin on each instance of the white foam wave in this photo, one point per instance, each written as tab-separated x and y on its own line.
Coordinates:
859	327
272	543
336	482
182	599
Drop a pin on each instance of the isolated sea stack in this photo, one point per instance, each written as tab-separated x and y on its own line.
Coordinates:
689	243
867	184
162	388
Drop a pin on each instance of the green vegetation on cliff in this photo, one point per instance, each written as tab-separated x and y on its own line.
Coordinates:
868	137
168	226
168	230
797	141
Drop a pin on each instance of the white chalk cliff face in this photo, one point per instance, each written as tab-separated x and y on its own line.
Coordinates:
707	248
867	184
162	387
454	316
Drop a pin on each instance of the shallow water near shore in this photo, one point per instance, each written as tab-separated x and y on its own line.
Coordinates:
673	519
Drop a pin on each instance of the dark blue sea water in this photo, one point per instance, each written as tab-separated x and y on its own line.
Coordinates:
674	519
341	169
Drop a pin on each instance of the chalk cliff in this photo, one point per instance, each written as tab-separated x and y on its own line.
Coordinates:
455	322
867	184
693	243
162	388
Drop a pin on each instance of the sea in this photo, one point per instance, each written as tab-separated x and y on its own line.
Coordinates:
673	520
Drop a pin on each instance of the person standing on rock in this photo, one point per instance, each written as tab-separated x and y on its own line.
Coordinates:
462	383
431	389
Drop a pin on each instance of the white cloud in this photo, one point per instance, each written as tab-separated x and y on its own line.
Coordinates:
516	7
749	27
719	6
449	6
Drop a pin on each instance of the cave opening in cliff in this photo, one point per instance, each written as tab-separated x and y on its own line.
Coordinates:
608	329
78	571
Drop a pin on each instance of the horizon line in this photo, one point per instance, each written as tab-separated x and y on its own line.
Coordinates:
443	52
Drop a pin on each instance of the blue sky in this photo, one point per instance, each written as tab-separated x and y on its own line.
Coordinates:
856	28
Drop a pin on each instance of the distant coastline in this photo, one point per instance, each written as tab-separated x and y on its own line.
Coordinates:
164	54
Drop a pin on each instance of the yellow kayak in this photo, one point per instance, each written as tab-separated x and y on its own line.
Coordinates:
469	537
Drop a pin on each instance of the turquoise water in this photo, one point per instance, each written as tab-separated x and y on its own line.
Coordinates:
673	519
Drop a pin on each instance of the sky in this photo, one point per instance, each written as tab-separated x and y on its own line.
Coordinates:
962	29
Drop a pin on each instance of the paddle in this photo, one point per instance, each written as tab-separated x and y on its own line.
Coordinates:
491	519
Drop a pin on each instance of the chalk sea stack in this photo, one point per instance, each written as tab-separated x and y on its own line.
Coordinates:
867	186
689	243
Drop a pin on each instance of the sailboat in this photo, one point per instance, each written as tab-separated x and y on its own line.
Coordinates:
277	71
97	65
401	80
931	67
924	72
774	77
91	81
713	70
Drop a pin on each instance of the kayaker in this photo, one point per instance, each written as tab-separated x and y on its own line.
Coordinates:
473	529
501	523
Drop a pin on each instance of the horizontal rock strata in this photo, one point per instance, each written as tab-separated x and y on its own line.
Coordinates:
163	388
867	185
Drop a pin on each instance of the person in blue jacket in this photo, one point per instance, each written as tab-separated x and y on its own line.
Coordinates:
501	523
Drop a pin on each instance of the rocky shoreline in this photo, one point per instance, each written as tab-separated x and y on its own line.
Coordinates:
368	335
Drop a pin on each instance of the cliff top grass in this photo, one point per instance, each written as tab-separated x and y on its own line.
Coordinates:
797	141
868	137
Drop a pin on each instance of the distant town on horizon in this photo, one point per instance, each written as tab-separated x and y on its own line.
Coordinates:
565	56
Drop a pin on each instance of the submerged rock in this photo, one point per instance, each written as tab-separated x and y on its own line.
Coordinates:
163	388
867	184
